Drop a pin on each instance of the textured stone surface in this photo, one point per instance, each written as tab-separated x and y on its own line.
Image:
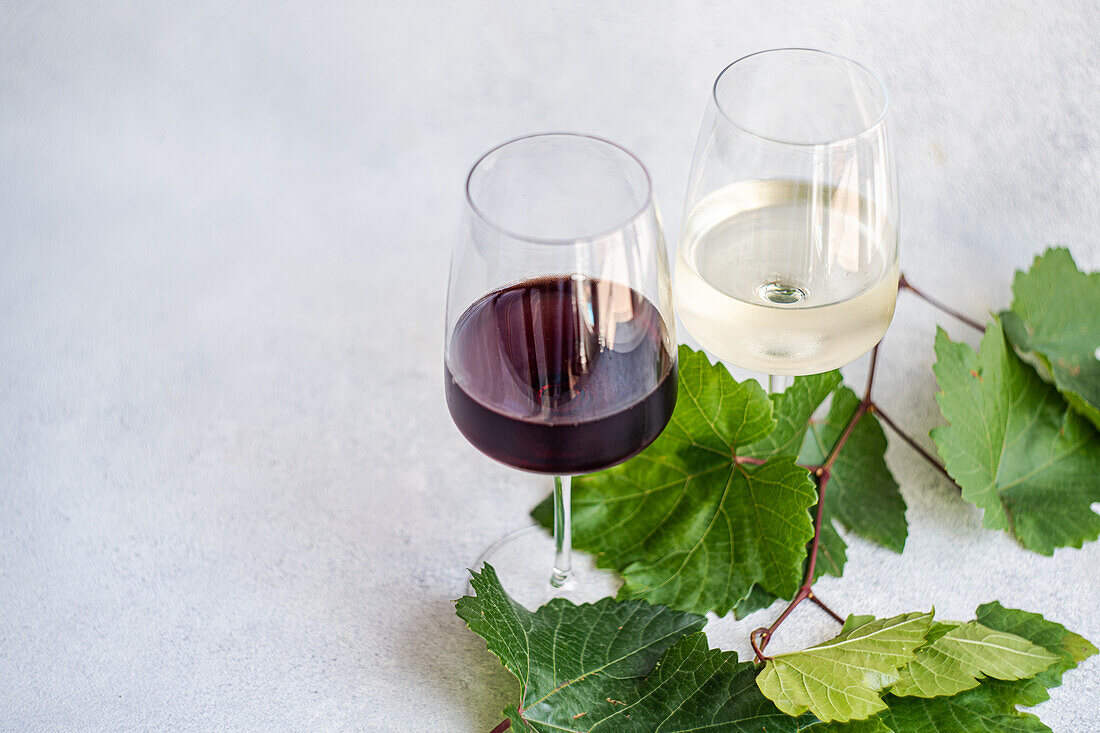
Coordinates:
230	493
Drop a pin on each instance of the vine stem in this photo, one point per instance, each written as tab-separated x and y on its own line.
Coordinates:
750	461
760	637
904	284
912	443
502	726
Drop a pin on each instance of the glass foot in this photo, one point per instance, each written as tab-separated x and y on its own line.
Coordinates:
524	562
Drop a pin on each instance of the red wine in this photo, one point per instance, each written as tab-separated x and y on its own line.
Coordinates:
562	374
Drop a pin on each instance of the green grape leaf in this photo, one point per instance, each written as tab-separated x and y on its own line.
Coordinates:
634	667
757	599
840	679
973	711
939	628
868	725
617	666
793	408
1055	322
832	551
684	522
861	495
956	660
1014	447
991	706
1071	649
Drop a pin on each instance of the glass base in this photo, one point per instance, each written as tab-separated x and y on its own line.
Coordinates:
524	561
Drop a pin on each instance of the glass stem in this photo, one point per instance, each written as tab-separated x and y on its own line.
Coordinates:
777	383
563	533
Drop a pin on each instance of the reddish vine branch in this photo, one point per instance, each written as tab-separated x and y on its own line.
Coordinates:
750	461
761	636
904	284
911	442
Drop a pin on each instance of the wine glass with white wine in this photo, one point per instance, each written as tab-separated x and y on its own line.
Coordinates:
788	255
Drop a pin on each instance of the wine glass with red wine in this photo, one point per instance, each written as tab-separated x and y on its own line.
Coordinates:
560	352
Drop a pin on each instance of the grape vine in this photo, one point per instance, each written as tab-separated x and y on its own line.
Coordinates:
734	506
760	637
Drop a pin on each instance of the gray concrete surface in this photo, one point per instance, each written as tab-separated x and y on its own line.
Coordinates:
231	497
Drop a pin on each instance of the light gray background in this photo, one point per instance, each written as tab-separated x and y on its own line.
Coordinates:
230	493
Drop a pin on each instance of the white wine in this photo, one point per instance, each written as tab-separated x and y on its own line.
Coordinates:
783	278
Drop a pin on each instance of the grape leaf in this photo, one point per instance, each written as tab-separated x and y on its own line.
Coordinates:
685	523
757	599
633	667
832	551
972	711
840	679
617	666
1054	322
1071	649
991	706
868	725
956	660
861	495
793	408
1014	447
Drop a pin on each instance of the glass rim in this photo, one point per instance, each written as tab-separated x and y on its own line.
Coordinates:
848	139
647	203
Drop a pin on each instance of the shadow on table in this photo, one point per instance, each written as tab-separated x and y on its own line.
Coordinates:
469	679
